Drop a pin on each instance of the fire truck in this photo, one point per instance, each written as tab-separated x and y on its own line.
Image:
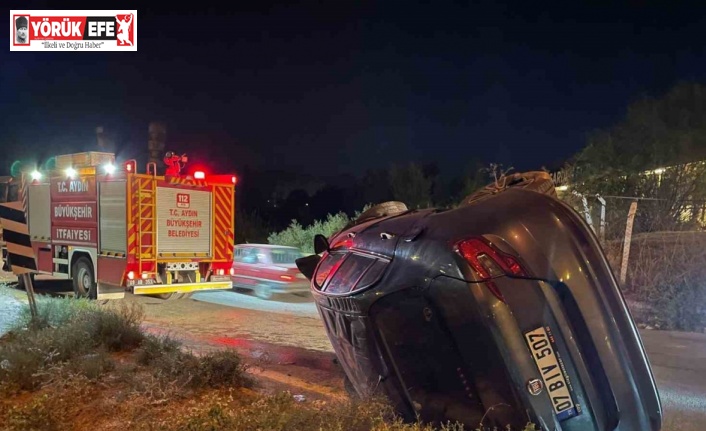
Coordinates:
113	230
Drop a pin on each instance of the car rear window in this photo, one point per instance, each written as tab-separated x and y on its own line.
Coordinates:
285	255
348	272
325	267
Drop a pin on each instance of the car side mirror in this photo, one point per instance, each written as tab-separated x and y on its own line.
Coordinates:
321	244
307	265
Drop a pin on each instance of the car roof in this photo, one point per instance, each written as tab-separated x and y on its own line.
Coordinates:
266	246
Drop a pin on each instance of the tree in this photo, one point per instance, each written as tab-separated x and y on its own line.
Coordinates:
651	154
409	185
296	235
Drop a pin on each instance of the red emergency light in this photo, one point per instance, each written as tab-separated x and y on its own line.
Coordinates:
222	179
130	166
199	175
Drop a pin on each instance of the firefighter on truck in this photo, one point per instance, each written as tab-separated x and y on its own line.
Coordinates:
113	230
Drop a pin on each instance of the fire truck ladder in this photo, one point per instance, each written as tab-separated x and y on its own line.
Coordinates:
146	235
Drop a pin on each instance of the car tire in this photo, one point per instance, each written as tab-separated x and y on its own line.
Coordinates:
263	291
380	210
536	181
84	281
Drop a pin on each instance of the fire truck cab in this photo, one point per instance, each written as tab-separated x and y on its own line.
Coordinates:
112	230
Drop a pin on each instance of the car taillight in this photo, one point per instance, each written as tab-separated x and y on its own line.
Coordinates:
489	262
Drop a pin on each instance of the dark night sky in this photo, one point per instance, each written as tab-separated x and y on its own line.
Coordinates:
350	85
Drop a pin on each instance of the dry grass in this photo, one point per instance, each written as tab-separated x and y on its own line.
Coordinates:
89	407
69	335
96	370
666	271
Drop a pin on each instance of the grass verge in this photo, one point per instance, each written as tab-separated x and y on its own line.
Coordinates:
93	368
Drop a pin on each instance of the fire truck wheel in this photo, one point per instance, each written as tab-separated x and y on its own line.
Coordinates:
167	296
172	296
263	291
84	280
21	282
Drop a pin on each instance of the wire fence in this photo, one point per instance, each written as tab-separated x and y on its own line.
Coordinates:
661	265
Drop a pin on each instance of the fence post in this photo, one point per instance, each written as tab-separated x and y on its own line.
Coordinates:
602	222
626	243
586	210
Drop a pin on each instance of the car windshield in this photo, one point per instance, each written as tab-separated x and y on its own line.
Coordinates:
285	255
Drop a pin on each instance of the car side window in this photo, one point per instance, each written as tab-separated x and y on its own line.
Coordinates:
249	256
261	255
238	255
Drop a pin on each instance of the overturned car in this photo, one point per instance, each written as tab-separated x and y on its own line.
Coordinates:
502	311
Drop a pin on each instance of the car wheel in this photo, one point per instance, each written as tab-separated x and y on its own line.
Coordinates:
380	210
263	291
84	281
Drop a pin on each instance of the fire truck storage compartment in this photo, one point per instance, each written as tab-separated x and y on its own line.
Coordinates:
113	216
39	224
183	221
39	209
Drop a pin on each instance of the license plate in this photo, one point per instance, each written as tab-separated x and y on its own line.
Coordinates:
220	278
551	367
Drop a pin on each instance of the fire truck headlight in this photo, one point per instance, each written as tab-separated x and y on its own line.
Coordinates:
70	172
36	175
109	169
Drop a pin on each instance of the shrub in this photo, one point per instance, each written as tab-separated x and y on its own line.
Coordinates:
54	312
224	368
302	237
82	329
117	328
666	272
37	415
174	369
154	347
